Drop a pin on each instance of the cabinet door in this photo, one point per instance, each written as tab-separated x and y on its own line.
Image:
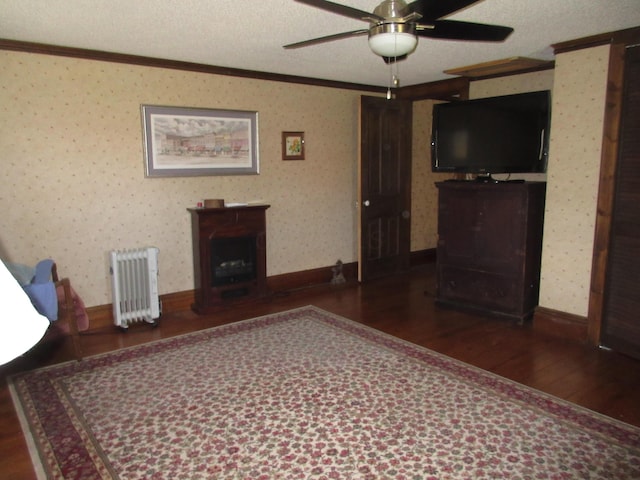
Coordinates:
500	225
457	226
482	227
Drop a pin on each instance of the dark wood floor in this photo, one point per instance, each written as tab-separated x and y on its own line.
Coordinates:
403	306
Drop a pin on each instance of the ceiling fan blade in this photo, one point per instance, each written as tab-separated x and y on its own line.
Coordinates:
343	10
389	60
328	38
454	30
434	9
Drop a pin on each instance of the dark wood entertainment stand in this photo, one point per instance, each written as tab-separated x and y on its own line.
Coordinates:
227	223
489	246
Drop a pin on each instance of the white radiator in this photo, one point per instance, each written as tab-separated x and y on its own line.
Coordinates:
134	275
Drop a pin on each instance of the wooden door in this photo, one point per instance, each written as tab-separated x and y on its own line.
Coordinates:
621	315
385	186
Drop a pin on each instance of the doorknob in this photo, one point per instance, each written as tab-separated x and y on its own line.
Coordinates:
406	214
366	203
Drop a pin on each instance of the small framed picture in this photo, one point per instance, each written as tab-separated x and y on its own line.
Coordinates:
293	145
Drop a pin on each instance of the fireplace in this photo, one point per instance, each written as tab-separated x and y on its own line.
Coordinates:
229	255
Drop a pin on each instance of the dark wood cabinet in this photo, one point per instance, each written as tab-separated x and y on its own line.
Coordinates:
489	246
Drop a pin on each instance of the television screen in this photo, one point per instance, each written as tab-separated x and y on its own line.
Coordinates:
506	134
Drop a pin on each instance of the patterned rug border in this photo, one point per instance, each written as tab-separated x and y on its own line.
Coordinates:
562	410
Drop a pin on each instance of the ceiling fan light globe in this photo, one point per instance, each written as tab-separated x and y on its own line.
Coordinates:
392	40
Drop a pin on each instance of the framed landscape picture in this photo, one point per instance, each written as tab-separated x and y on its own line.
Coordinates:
184	141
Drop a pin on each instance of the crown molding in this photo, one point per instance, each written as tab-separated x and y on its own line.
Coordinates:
87	54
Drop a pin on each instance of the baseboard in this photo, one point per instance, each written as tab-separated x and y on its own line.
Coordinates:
561	324
422	257
178	301
101	316
309	278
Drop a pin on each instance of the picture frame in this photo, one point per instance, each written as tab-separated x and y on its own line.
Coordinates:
293	145
187	141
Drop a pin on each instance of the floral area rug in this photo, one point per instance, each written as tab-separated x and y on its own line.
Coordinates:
305	394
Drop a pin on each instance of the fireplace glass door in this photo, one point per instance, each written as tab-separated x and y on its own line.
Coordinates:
233	260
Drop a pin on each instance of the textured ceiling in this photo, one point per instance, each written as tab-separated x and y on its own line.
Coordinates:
249	34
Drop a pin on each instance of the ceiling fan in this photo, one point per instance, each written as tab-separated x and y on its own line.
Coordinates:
394	25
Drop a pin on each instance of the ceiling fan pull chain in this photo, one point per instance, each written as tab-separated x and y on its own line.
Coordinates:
394	79
391	77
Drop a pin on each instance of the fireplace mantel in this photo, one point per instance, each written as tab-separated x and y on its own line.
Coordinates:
211	224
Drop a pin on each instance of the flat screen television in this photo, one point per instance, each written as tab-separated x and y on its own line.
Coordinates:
506	134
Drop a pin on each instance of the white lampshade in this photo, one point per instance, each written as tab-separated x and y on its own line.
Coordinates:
392	39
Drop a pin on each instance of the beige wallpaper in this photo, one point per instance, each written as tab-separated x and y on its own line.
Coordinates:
73	185
575	153
526	82
424	194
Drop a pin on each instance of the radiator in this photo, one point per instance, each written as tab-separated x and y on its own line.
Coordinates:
134	279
